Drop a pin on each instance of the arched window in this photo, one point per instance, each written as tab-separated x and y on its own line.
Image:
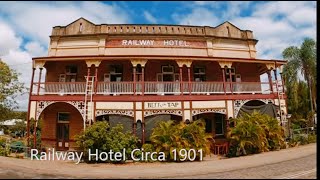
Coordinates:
228	31
80	27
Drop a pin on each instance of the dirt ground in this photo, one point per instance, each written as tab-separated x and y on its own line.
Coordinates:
26	168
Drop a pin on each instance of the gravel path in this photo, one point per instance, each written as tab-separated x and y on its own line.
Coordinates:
25	168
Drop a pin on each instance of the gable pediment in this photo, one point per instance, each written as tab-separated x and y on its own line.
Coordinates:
227	29
80	26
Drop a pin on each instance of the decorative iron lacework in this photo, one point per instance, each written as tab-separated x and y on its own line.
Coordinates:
163	111
239	103
79	105
209	110
100	112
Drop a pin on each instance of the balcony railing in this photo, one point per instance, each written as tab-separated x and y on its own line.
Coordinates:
107	88
59	88
153	88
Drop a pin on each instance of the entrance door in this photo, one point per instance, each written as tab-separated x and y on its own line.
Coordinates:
62	136
63	131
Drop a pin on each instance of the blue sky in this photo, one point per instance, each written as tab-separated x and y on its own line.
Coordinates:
25	26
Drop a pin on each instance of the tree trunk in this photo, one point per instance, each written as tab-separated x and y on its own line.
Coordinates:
310	92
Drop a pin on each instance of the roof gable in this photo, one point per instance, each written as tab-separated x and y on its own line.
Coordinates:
80	26
227	29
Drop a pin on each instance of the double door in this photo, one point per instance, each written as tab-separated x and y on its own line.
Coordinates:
62	136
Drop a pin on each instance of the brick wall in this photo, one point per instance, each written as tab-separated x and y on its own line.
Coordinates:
248	71
49	122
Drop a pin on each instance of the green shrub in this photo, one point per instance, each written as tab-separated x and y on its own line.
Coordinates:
146	148
100	136
168	136
255	133
4	149
312	138
38	134
302	139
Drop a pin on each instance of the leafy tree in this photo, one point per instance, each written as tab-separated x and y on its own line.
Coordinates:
301	58
100	136
9	88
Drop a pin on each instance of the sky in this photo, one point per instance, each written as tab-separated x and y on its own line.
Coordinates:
25	27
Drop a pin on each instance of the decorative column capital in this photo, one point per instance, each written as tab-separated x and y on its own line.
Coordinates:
39	64
95	62
225	63
186	62
135	62
281	69
270	66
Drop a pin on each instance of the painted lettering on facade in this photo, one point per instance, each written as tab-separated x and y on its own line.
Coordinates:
167	43
151	43
162	105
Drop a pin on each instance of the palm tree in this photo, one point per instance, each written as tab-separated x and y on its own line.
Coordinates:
304	59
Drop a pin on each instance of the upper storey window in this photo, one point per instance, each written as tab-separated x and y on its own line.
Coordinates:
199	73
115	73
70	74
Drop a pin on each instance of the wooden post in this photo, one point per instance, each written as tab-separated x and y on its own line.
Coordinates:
143	132
39	81
142	79
189	80
96	81
270	81
181	85
230	76
35	134
283	83
134	80
134	129
88	72
276	79
28	113
224	80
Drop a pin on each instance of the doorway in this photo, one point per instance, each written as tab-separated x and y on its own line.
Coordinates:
62	136
63	119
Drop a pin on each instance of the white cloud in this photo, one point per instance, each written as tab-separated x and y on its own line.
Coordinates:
149	17
35	20
25	28
276	25
8	39
232	8
199	16
35	49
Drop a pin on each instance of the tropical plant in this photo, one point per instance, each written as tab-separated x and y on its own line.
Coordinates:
301	58
168	136
105	138
255	133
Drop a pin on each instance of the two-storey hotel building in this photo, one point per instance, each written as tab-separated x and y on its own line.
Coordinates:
138	75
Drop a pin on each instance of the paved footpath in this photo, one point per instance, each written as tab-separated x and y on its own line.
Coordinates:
264	165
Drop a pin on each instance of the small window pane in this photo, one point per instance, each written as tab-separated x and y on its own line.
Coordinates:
63	117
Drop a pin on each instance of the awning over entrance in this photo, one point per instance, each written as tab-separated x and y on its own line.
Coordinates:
269	109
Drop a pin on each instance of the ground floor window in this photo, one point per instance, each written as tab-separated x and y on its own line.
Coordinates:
215	123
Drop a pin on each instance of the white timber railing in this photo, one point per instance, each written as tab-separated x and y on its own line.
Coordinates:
153	88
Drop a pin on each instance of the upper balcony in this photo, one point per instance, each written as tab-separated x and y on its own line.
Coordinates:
155	78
